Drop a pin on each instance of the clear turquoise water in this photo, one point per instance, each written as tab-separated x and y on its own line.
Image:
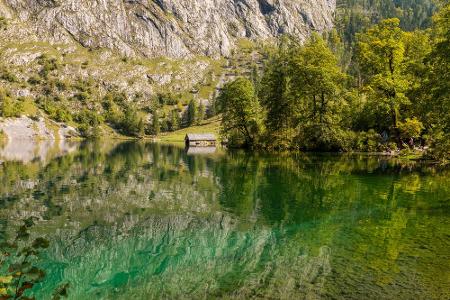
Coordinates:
149	221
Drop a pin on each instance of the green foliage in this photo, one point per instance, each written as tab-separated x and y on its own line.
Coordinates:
167	99
439	146
6	75
201	112
381	49
435	90
381	56
48	65
55	110
10	107
113	112
34	80
301	92
323	137
132	123
175	121
155	125
192	113
89	123
241	113
369	141
410	128
354	16
274	91
122	116
317	81
84	85
398	92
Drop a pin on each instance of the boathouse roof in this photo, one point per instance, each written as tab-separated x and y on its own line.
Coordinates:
200	137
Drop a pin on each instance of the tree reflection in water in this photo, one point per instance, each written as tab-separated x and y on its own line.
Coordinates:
141	220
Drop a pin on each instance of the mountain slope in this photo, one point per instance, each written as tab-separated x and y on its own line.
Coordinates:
174	28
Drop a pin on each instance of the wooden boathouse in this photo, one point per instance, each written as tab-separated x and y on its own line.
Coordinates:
200	140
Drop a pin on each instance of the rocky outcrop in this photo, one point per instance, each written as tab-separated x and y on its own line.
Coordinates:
25	128
175	28
26	139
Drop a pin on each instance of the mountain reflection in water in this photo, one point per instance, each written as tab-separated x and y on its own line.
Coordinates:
148	221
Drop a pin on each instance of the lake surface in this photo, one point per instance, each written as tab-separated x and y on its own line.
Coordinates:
151	221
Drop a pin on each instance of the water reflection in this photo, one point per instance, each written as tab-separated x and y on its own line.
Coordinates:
26	150
139	220
201	150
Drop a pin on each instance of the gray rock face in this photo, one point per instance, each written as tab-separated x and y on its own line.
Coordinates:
175	28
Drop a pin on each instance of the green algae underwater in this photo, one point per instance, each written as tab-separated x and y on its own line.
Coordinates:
148	221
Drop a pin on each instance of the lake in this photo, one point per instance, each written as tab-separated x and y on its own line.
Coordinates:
150	221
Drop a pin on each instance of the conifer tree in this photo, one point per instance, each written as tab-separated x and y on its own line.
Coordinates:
192	113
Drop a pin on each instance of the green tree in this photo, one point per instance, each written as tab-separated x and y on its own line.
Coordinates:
156	127
381	55
317	81
274	92
241	112
435	90
201	112
132	123
192	113
174	120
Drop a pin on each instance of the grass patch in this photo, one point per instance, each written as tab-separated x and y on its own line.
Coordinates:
208	126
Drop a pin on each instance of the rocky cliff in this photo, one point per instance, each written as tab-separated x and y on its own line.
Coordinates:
175	28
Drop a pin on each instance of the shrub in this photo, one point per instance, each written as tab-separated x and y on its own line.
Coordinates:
7	75
83	97
89	123
48	65
89	117
9	107
61	85
34	79
115	97
324	137
369	141
167	99
411	128
57	112
83	85
439	141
